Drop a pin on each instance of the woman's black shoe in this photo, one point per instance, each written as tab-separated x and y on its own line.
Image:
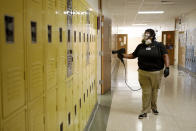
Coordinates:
155	111
141	116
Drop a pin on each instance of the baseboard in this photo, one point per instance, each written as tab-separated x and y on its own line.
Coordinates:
88	125
193	74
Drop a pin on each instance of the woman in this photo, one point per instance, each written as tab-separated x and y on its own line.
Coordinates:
152	56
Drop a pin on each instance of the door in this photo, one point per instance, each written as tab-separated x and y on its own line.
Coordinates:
106	55
122	40
168	39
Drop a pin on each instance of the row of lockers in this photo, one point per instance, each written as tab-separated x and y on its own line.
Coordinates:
190	58
48	70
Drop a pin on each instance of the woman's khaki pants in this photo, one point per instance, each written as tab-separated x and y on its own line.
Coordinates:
149	82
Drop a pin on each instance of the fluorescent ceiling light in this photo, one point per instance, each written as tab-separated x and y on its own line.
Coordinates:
139	24
150	12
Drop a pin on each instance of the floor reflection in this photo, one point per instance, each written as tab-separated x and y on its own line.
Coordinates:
176	103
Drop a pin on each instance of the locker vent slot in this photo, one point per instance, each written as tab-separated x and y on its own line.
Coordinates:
14	84
36	76
51	4
52	72
61	5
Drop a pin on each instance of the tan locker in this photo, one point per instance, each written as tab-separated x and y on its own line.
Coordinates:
50	110
35	58
61	41
50	44
61	63
69	104
36	115
12	56
16	122
0	97
61	112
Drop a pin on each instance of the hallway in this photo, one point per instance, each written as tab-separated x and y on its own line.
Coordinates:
176	103
59	69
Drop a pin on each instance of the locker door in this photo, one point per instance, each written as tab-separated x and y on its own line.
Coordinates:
0	94
61	43
0	82
12	56
69	104
51	38
61	112
61	64
51	110
36	115
16	123
168	38
122	41
34	48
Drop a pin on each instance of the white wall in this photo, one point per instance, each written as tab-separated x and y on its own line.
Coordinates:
188	39
135	34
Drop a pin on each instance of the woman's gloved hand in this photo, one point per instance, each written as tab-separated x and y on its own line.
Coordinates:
120	56
166	72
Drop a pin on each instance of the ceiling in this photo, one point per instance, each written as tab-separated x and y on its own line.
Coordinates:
124	12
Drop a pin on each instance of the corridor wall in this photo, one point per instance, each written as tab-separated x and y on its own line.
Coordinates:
187	37
48	65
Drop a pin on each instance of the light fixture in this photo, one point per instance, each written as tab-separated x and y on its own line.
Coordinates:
150	12
139	24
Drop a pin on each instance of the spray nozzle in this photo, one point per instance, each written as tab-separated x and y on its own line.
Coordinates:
120	53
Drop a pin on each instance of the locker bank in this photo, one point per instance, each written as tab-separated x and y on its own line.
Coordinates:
58	73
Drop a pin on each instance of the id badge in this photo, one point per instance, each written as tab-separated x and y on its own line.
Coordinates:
148	48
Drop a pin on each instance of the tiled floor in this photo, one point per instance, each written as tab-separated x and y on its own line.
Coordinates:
176	103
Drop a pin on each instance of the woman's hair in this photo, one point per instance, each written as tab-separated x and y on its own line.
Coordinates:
152	33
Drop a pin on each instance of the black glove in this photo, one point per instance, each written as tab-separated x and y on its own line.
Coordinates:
120	56
166	72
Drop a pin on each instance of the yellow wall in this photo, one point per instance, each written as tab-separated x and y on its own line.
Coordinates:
36	92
